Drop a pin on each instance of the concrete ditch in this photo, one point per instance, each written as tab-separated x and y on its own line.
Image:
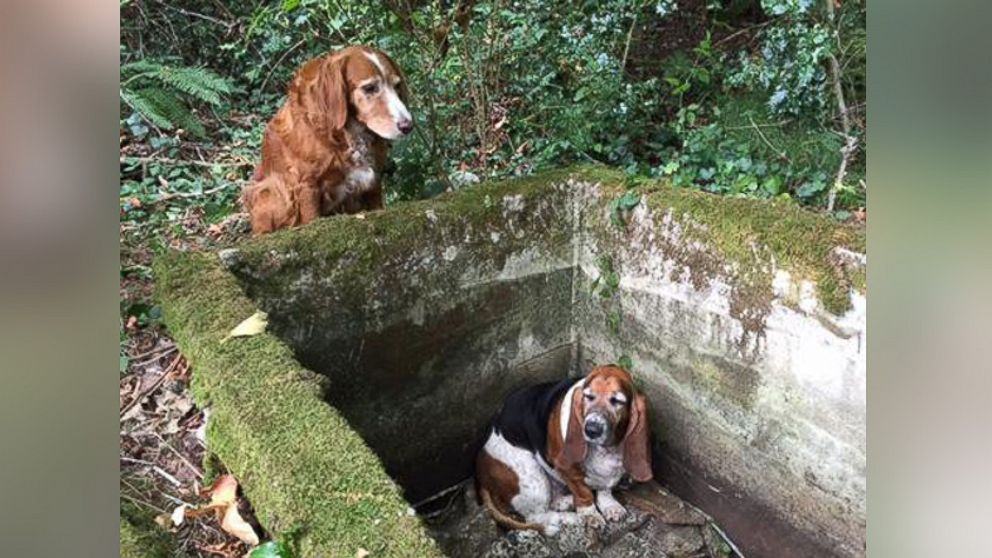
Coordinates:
400	332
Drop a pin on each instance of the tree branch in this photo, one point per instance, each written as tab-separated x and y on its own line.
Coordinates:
850	142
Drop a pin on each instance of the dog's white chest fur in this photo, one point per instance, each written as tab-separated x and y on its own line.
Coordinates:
603	467
361	176
359	180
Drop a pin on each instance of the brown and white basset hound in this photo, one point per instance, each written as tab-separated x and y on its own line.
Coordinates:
326	147
558	446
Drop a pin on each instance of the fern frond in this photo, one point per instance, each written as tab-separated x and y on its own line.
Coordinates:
173	108
165	110
140	66
199	83
145	107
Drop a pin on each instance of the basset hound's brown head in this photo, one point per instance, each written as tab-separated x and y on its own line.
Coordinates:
607	411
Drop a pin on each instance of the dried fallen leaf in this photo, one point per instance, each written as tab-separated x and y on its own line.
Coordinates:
164	521
360	216
224	491
253	325
178	515
234	524
224	502
362	553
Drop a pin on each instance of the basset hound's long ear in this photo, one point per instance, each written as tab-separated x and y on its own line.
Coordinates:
575	442
332	91
637	442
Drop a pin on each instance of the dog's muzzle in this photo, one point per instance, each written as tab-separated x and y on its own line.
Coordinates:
595	428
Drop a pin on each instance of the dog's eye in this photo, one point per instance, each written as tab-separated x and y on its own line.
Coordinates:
371	88
589	396
616	401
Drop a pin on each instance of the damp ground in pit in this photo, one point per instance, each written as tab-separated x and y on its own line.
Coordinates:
658	524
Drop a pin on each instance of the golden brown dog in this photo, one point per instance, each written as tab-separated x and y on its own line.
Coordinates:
558	446
326	147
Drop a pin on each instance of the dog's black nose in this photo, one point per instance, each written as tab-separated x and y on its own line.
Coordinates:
405	126
594	429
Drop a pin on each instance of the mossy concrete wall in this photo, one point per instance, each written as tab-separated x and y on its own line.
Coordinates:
424	316
744	321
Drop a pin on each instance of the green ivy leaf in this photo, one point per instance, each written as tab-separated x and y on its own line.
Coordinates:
811	188
772	185
272	549
629	201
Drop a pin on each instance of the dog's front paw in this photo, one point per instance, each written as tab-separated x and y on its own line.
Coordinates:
591	516
613	511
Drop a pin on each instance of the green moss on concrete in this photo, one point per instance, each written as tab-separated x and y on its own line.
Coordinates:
302	467
382	233
361	256
800	241
141	537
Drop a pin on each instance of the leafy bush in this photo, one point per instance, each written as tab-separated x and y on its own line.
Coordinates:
507	87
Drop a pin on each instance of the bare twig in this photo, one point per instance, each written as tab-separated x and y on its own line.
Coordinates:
279	61
165	475
780	153
743	31
196	470
850	142
158	382
778	124
228	25
153	355
626	46
168	161
171	195
140	502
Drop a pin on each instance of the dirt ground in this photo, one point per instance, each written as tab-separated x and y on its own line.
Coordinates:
162	450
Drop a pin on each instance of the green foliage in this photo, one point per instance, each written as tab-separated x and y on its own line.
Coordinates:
519	86
791	69
155	92
272	549
626	363
621	205
608	281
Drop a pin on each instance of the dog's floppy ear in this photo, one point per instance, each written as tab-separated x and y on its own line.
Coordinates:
637	442
332	91
575	442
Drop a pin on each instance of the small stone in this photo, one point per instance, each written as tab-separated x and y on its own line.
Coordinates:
229	257
463	178
519	544
680	541
632	546
574	538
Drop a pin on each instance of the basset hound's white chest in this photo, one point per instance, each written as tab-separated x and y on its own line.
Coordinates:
603	467
359	180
